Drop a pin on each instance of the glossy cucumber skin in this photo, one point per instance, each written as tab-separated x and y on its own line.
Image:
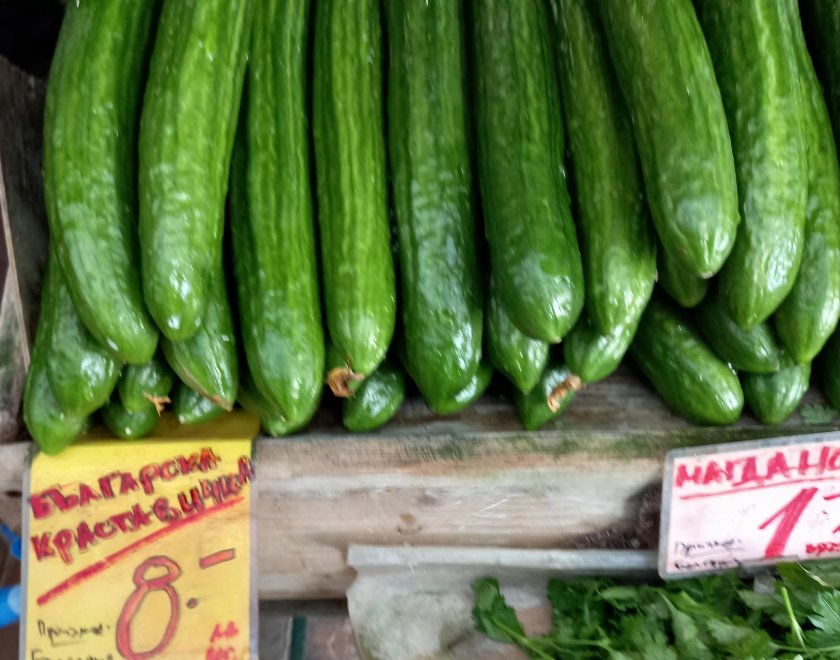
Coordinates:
467	396
822	19
432	192
130	425
90	123
377	400
208	361
809	314
756	351
273	422
271	218
534	252
189	117
82	372
682	368
547	401
141	384
519	357
348	129
665	72
192	408
773	397
50	427
682	285
592	355
618	244
829	368
752	47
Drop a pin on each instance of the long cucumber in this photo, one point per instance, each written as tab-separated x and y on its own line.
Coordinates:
811	310
90	184
208	361
82	372
682	368
755	60
665	72
431	178
348	129
618	244
534	253
272	223
190	111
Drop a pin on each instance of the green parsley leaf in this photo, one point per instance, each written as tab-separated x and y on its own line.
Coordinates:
826	616
493	616
816	414
687	635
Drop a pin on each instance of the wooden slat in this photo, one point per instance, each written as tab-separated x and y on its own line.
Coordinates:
23	233
475	479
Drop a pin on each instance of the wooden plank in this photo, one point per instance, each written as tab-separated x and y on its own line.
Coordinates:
23	233
476	479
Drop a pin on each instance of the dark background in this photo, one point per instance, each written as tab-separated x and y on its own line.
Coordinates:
28	32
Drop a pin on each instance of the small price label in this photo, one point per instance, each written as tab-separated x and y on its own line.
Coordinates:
139	550
750	503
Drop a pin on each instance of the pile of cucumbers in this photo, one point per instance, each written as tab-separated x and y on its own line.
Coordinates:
252	201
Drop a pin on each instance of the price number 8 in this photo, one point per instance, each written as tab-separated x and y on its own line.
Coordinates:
144	585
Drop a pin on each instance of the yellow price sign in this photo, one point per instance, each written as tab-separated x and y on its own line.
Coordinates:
140	550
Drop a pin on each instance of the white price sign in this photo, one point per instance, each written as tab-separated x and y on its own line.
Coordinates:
750	503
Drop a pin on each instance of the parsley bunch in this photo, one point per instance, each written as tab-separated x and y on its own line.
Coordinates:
795	613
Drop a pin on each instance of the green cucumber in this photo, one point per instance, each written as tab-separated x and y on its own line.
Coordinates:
376	401
50	427
348	129
190	111
208	361
822	20
432	189
272	420
665	72
252	400
678	282
192	408
82	372
147	383
519	357
618	244
683	369
829	370
130	425
466	397
756	351
547	401
277	426
534	252
271	219
90	125
753	51
773	397
808	316
592	355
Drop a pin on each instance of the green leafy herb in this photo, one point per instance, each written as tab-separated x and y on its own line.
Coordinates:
794	614
817	414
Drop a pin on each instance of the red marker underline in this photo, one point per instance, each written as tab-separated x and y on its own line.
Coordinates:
733	491
94	569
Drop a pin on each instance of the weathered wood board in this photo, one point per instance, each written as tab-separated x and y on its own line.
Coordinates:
23	233
475	479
